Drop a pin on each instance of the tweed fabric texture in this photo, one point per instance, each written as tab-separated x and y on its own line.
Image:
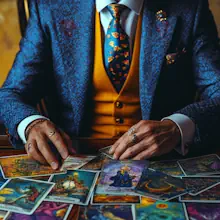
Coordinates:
56	60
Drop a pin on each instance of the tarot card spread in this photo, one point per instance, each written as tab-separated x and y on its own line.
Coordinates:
151	209
46	211
22	166
106	212
75	162
210	196
23	195
205	165
196	185
73	187
120	177
169	167
160	186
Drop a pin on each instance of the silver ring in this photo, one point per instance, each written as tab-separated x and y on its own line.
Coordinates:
52	133
29	146
131	131
134	139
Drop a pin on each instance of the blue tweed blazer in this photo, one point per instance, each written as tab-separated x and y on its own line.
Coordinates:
56	61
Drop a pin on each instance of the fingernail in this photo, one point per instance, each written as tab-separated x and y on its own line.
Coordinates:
65	155
54	165
114	157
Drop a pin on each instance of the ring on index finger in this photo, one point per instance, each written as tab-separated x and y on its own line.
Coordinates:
134	139
52	133
131	131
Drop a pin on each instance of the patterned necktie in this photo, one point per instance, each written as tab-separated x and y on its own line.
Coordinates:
117	52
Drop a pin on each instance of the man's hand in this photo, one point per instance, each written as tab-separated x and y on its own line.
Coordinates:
37	145
147	139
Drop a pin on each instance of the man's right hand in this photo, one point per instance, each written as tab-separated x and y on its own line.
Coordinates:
39	134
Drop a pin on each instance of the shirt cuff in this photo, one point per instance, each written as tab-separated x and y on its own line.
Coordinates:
24	124
187	131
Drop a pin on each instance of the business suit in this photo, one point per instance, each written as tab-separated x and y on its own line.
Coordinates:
56	59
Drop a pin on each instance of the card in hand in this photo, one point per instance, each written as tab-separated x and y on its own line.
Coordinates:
160	186
96	163
46	211
210	196
120	177
170	167
105	151
73	187
196	185
200	211
204	165
151	209
75	162
23	195
23	166
116	212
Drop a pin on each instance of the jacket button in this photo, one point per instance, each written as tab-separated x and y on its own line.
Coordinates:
119	105
119	120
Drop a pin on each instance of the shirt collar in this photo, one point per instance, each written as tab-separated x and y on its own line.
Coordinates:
135	5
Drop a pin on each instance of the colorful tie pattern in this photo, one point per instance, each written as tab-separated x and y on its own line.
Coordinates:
117	51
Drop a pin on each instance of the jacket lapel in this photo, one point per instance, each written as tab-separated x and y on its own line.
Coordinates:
155	41
76	45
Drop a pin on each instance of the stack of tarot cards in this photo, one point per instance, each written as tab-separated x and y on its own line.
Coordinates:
99	187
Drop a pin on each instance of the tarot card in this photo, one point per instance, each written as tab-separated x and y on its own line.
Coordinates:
106	212
46	211
75	162
151	209
96	163
105	151
23	195
73	187
160	186
203	211
196	185
205	165
210	196
22	166
169	167
120	177
3	215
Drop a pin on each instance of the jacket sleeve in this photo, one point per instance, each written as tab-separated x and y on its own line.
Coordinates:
27	80
205	113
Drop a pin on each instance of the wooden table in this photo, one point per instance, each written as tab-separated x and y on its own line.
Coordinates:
91	146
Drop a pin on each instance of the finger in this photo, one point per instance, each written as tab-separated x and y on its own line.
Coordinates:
58	141
45	150
134	150
150	152
115	145
69	142
34	153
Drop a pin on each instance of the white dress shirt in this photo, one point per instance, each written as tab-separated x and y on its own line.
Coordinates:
129	18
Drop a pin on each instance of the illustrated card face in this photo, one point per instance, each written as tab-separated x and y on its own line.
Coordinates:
205	165
3	215
120	177
210	196
105	151
46	211
151	209
201	211
96	163
23	195
170	167
106	212
75	162
73	187
22	166
160	186
196	185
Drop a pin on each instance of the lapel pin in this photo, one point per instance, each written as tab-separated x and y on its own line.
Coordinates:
161	15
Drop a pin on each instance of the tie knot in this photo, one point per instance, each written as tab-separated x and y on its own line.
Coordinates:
116	9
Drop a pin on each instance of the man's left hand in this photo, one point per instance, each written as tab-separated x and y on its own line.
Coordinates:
146	140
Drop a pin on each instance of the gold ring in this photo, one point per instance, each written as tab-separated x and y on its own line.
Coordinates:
134	139
52	133
131	131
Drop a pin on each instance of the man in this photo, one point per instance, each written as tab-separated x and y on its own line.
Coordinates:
109	68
